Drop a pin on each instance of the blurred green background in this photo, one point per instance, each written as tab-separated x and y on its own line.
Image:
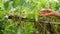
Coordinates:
26	9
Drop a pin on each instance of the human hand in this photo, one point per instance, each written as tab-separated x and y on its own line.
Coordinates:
46	12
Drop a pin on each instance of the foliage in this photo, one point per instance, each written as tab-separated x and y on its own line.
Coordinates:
26	9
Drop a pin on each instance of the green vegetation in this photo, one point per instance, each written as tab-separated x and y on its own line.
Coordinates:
28	9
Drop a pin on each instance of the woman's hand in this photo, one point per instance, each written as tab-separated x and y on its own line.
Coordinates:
46	12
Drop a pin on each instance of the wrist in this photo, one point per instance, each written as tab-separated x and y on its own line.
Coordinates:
55	14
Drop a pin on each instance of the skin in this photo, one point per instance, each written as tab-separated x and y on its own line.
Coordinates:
49	12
